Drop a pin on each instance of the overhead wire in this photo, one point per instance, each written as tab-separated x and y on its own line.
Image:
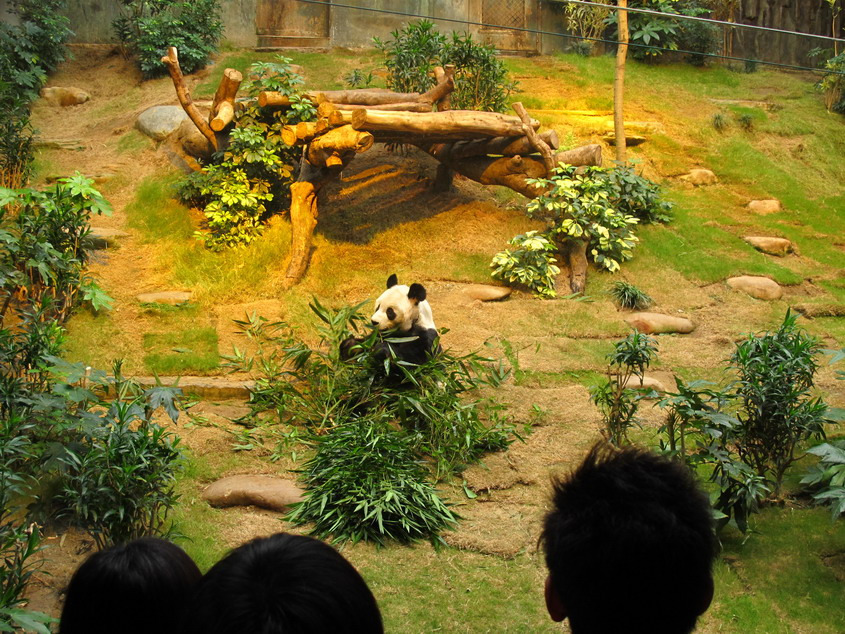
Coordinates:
487	25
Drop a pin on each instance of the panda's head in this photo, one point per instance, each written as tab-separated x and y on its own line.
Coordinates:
398	306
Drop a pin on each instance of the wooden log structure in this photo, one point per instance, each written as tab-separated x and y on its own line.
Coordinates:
487	147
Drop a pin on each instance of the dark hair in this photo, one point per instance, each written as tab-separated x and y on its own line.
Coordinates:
139	587
283	584
630	544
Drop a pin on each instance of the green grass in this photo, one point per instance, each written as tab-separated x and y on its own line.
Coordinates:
132	143
181	351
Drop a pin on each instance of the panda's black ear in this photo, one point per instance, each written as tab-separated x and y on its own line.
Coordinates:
417	292
392	281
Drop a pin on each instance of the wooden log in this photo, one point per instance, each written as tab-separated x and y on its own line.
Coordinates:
288	134
500	146
404	106
171	60
365	97
306	130
458	124
267	98
337	146
538	144
325	109
223	105
586	155
443	89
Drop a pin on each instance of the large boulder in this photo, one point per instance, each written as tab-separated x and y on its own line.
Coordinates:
159	122
487	292
700	177
658	323
772	246
264	491
64	96
172	298
644	383
756	286
765	207
192	141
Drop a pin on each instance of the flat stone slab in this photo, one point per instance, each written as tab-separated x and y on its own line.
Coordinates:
159	122
104	238
487	292
207	388
645	383
747	103
756	286
772	246
264	491
64	96
658	323
821	310
59	144
765	207
700	177
631	140
172	298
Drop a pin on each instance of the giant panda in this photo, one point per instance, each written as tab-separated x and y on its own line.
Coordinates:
405	312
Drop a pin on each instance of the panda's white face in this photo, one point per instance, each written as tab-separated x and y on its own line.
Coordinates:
402	307
395	310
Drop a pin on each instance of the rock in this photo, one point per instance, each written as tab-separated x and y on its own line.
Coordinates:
631	140
207	388
159	122
658	323
700	177
646	383
64	96
821	310
165	297
756	286
192	140
772	246
640	127
487	292
264	491
765	207
105	238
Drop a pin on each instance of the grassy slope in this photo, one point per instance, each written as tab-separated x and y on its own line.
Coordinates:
775	580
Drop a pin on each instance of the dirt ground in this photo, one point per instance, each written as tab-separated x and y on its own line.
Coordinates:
512	487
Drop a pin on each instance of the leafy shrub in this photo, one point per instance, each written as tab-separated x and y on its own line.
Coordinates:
580	206
16	148
45	25
635	195
617	402
366	483
146	28
481	81
357	78
746	122
382	428
530	264
46	238
626	295
833	84
588	22
827	478
257	168
775	377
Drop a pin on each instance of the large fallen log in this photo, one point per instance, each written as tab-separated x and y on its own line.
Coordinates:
223	105
457	124
500	146
171	60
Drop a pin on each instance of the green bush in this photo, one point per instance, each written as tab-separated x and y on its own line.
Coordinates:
580	206
257	168
617	402
481	81
626	295
530	264
146	28
827	479
635	195
367	483
833	84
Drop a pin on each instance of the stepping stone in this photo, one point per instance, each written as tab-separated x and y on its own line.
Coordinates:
172	298
756	286
487	292
700	177
821	310
64	96
206	388
658	323
646	383
765	207
772	246
159	122
59	144
263	491
104	238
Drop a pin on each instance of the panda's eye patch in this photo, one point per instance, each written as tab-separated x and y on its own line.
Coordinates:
391	314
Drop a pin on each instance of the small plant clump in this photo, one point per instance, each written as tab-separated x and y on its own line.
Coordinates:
720	122
530	264
628	296
745	122
381	429
617	402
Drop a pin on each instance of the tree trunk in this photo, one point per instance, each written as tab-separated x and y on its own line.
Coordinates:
171	60
619	82
577	255
500	145
223	105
